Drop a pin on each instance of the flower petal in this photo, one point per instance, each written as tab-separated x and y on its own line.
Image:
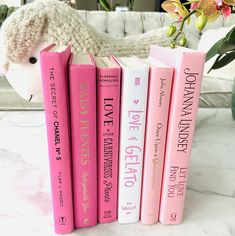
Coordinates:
193	5
169	6
229	2
208	7
219	2
172	7
183	12
226	11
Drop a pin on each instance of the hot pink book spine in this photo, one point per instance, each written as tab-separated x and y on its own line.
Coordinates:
82	84
157	117
188	66
56	104
108	102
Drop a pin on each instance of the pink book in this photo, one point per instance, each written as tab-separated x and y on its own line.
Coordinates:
160	81
188	73
56	103
132	129
82	86
108	102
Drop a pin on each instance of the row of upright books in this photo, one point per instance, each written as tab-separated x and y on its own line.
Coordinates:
120	134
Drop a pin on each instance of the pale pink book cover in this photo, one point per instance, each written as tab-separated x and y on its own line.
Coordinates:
188	74
56	104
108	104
160	81
82	87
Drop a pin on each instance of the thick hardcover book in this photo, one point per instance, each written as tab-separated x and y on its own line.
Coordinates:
188	74
108	103
82	88
132	129
54	62
160	81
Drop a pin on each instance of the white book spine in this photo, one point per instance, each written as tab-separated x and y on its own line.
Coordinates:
132	130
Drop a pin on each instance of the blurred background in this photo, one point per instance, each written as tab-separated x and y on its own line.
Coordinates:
139	5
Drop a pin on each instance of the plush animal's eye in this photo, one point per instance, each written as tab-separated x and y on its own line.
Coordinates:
32	60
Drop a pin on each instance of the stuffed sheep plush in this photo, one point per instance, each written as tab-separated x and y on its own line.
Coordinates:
34	26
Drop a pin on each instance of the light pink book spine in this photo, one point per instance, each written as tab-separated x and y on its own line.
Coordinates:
108	103
82	85
56	104
188	66
156	127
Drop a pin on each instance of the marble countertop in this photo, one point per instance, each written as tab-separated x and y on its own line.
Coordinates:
25	199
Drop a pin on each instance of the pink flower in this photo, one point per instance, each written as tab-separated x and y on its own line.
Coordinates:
193	5
219	2
222	6
180	18
226	10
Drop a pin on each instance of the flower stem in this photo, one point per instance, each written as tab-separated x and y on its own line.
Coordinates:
182	24
186	3
190	2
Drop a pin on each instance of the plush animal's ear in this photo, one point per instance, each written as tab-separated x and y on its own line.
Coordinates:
21	31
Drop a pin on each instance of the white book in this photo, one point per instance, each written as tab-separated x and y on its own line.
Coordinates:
132	131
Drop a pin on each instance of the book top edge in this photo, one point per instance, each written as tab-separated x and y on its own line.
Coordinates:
56	50
152	62
177	51
82	59
105	62
132	62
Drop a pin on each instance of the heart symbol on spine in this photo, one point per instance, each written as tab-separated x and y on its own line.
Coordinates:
136	101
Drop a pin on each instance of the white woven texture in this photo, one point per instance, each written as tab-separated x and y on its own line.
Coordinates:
61	24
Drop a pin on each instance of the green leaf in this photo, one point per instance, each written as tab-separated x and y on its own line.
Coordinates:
10	10
214	49
224	45
222	61
216	61
105	5
230	37
3	12
114	7
227	47
131	5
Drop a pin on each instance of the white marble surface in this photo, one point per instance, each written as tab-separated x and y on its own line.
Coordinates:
25	199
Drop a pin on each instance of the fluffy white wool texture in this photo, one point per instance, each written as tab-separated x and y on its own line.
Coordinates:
60	24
